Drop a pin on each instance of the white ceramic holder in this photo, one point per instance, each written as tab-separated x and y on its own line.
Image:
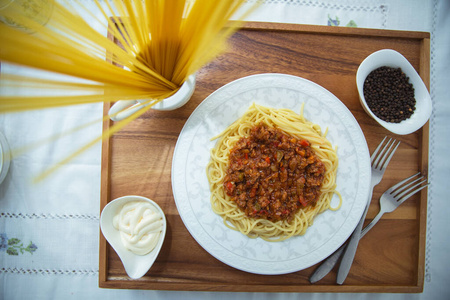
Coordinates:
4	157
122	109
393	59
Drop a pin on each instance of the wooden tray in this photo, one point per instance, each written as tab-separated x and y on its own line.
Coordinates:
138	160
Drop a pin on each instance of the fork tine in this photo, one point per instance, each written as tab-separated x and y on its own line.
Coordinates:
380	159
414	189
405	184
381	154
404	197
395	187
375	153
389	153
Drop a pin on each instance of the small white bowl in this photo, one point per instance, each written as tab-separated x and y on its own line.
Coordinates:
391	58
135	265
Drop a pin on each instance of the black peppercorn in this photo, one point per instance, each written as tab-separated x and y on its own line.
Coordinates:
389	94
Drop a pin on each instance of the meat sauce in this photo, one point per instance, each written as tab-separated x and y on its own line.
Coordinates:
272	175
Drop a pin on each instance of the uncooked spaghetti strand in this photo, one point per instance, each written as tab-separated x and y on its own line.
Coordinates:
105	135
116	24
58	48
20	103
45	141
22	49
77	66
49	86
203	35
172	16
132	25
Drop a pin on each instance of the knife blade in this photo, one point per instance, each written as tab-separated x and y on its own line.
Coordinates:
350	251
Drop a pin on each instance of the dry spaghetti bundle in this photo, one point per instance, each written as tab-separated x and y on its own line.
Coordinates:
157	45
160	43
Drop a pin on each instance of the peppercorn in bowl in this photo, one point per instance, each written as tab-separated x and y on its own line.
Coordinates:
392	92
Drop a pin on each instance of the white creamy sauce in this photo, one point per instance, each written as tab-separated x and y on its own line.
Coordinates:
140	225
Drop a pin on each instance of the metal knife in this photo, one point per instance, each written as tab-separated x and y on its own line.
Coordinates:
349	255
331	261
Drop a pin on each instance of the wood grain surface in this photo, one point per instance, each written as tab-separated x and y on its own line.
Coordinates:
137	161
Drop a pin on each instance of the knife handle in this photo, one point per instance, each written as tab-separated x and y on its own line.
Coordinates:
327	265
349	254
350	251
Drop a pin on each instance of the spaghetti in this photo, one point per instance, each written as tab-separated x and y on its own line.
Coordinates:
259	211
152	48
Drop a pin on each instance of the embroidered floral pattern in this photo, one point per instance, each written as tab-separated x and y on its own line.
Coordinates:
13	246
337	22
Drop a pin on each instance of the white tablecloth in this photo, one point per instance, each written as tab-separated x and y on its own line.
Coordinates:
57	220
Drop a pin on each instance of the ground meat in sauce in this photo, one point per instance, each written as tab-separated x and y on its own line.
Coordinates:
272	175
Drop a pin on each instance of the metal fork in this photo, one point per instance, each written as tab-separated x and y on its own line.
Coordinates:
389	201
396	195
379	160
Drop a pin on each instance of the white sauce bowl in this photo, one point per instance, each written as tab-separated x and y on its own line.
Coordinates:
135	265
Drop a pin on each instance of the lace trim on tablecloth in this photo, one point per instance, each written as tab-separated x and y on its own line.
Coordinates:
363	7
47	216
22	271
432	143
368	14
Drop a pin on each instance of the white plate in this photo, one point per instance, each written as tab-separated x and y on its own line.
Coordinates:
191	188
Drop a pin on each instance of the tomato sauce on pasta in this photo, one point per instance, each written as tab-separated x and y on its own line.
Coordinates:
272	175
